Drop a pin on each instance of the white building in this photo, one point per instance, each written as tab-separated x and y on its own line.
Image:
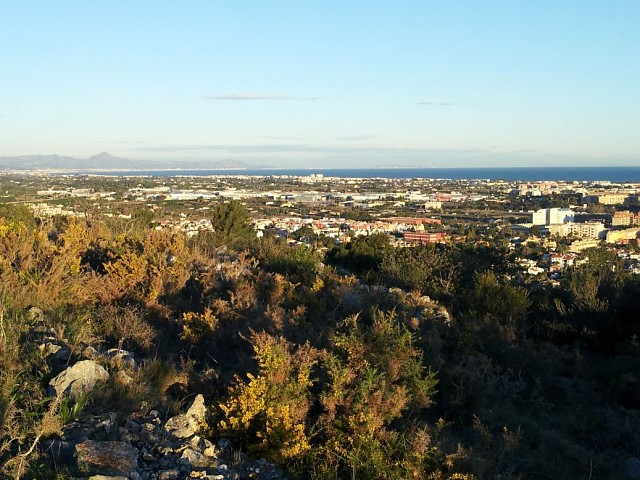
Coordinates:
581	230
552	216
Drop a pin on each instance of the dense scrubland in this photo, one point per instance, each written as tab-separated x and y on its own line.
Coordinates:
370	362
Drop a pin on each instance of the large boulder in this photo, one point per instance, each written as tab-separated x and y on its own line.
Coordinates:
78	379
106	458
189	423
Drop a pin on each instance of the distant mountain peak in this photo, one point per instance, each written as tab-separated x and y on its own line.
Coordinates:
103	156
106	161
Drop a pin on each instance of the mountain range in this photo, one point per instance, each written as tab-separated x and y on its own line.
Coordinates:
106	161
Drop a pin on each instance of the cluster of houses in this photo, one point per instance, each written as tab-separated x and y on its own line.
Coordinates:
407	230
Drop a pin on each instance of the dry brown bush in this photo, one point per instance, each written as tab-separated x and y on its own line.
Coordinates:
127	326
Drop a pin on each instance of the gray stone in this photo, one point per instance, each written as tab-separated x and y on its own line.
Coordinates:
108	424
172	474
633	467
60	451
106	477
149	433
210	452
78	379
153	414
107	458
132	425
195	458
122	357
90	353
189	423
165	450
55	351
128	436
197	442
147	457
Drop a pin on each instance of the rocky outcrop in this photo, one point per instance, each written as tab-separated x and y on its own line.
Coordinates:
107	458
146	448
186	425
141	447
79	379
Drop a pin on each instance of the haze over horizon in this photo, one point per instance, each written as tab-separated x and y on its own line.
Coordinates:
330	84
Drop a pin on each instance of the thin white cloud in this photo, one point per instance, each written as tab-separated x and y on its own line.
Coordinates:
304	149
280	138
357	138
250	96
119	142
446	104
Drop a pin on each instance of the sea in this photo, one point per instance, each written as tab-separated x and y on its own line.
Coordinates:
527	174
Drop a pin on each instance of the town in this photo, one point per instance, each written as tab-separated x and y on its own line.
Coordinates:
548	226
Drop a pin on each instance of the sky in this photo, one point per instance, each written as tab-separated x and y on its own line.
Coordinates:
324	83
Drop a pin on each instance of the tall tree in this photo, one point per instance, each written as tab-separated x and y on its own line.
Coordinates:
232	223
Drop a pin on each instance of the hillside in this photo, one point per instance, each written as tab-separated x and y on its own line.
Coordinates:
222	349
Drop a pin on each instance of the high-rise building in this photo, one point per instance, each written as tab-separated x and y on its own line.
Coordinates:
552	216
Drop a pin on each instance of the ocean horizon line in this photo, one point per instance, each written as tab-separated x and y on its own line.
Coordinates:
613	174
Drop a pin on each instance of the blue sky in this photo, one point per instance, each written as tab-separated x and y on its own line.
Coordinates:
324	83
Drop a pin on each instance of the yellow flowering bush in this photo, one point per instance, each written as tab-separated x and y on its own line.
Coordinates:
197	326
268	411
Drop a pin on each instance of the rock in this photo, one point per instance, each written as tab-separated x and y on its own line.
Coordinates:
60	451
128	436
78	431
132	425
165	450
196	442
188	424
149	449
108	423
210	451
106	477
195	458
633	467
198	410
106	458
55	351
147	457
173	474
123	358
90	353
149	433
78	379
